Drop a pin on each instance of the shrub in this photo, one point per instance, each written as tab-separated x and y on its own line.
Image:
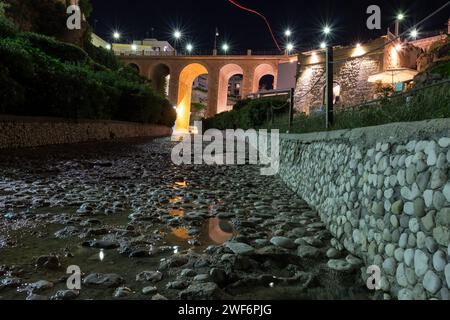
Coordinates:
64	51
102	56
7	28
12	94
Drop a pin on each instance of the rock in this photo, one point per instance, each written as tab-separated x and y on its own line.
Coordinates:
389	266
332	253
428	221
67	232
447	274
111	280
150	276
443	217
188	273
65	295
401	276
409	257
240	248
405	295
149	290
202	291
420	263
438	179
399	254
218	276
10	282
39	286
283	242
414	225
177	285
419	208
446	192
122	292
340	265
439	261
431	282
158	297
307	252
438	200
48	262
444	142
397	207
442	235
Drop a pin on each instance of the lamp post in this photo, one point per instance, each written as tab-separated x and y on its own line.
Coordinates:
398	20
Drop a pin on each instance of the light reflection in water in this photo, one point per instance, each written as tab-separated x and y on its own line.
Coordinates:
220	231
176	212
181	233
101	255
181	184
175	200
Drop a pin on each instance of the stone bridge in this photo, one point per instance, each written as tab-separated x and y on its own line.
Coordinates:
179	72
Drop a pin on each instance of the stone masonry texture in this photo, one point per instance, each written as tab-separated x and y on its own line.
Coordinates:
384	194
18	132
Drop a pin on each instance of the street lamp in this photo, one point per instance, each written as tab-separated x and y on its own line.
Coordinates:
108	47
177	34
134	47
323	45
116	35
289	47
327	30
414	34
400	18
288	33
225	47
189	47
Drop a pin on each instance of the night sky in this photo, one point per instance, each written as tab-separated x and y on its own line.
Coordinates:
242	30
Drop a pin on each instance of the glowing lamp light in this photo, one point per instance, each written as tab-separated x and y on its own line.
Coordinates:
189	47
398	47
108	47
289	47
177	34
288	33
134	47
414	34
225	47
358	51
323	45
326	30
116	35
400	17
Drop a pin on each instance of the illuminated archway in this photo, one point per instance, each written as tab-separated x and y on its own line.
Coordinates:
226	72
261	71
187	77
160	76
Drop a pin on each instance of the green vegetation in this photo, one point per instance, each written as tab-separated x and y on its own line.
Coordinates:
198	107
40	76
248	114
425	103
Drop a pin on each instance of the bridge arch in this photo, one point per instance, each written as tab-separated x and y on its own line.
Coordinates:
186	79
225	74
135	67
160	77
261	71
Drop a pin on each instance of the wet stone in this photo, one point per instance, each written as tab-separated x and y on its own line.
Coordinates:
103	280
149	276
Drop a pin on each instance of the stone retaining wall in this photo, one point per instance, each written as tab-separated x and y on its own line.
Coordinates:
384	193
17	132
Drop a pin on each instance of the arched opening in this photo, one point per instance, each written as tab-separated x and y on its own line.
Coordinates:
161	79
266	83
230	86
264	75
187	77
134	67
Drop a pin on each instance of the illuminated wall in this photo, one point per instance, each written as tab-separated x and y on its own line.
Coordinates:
187	77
